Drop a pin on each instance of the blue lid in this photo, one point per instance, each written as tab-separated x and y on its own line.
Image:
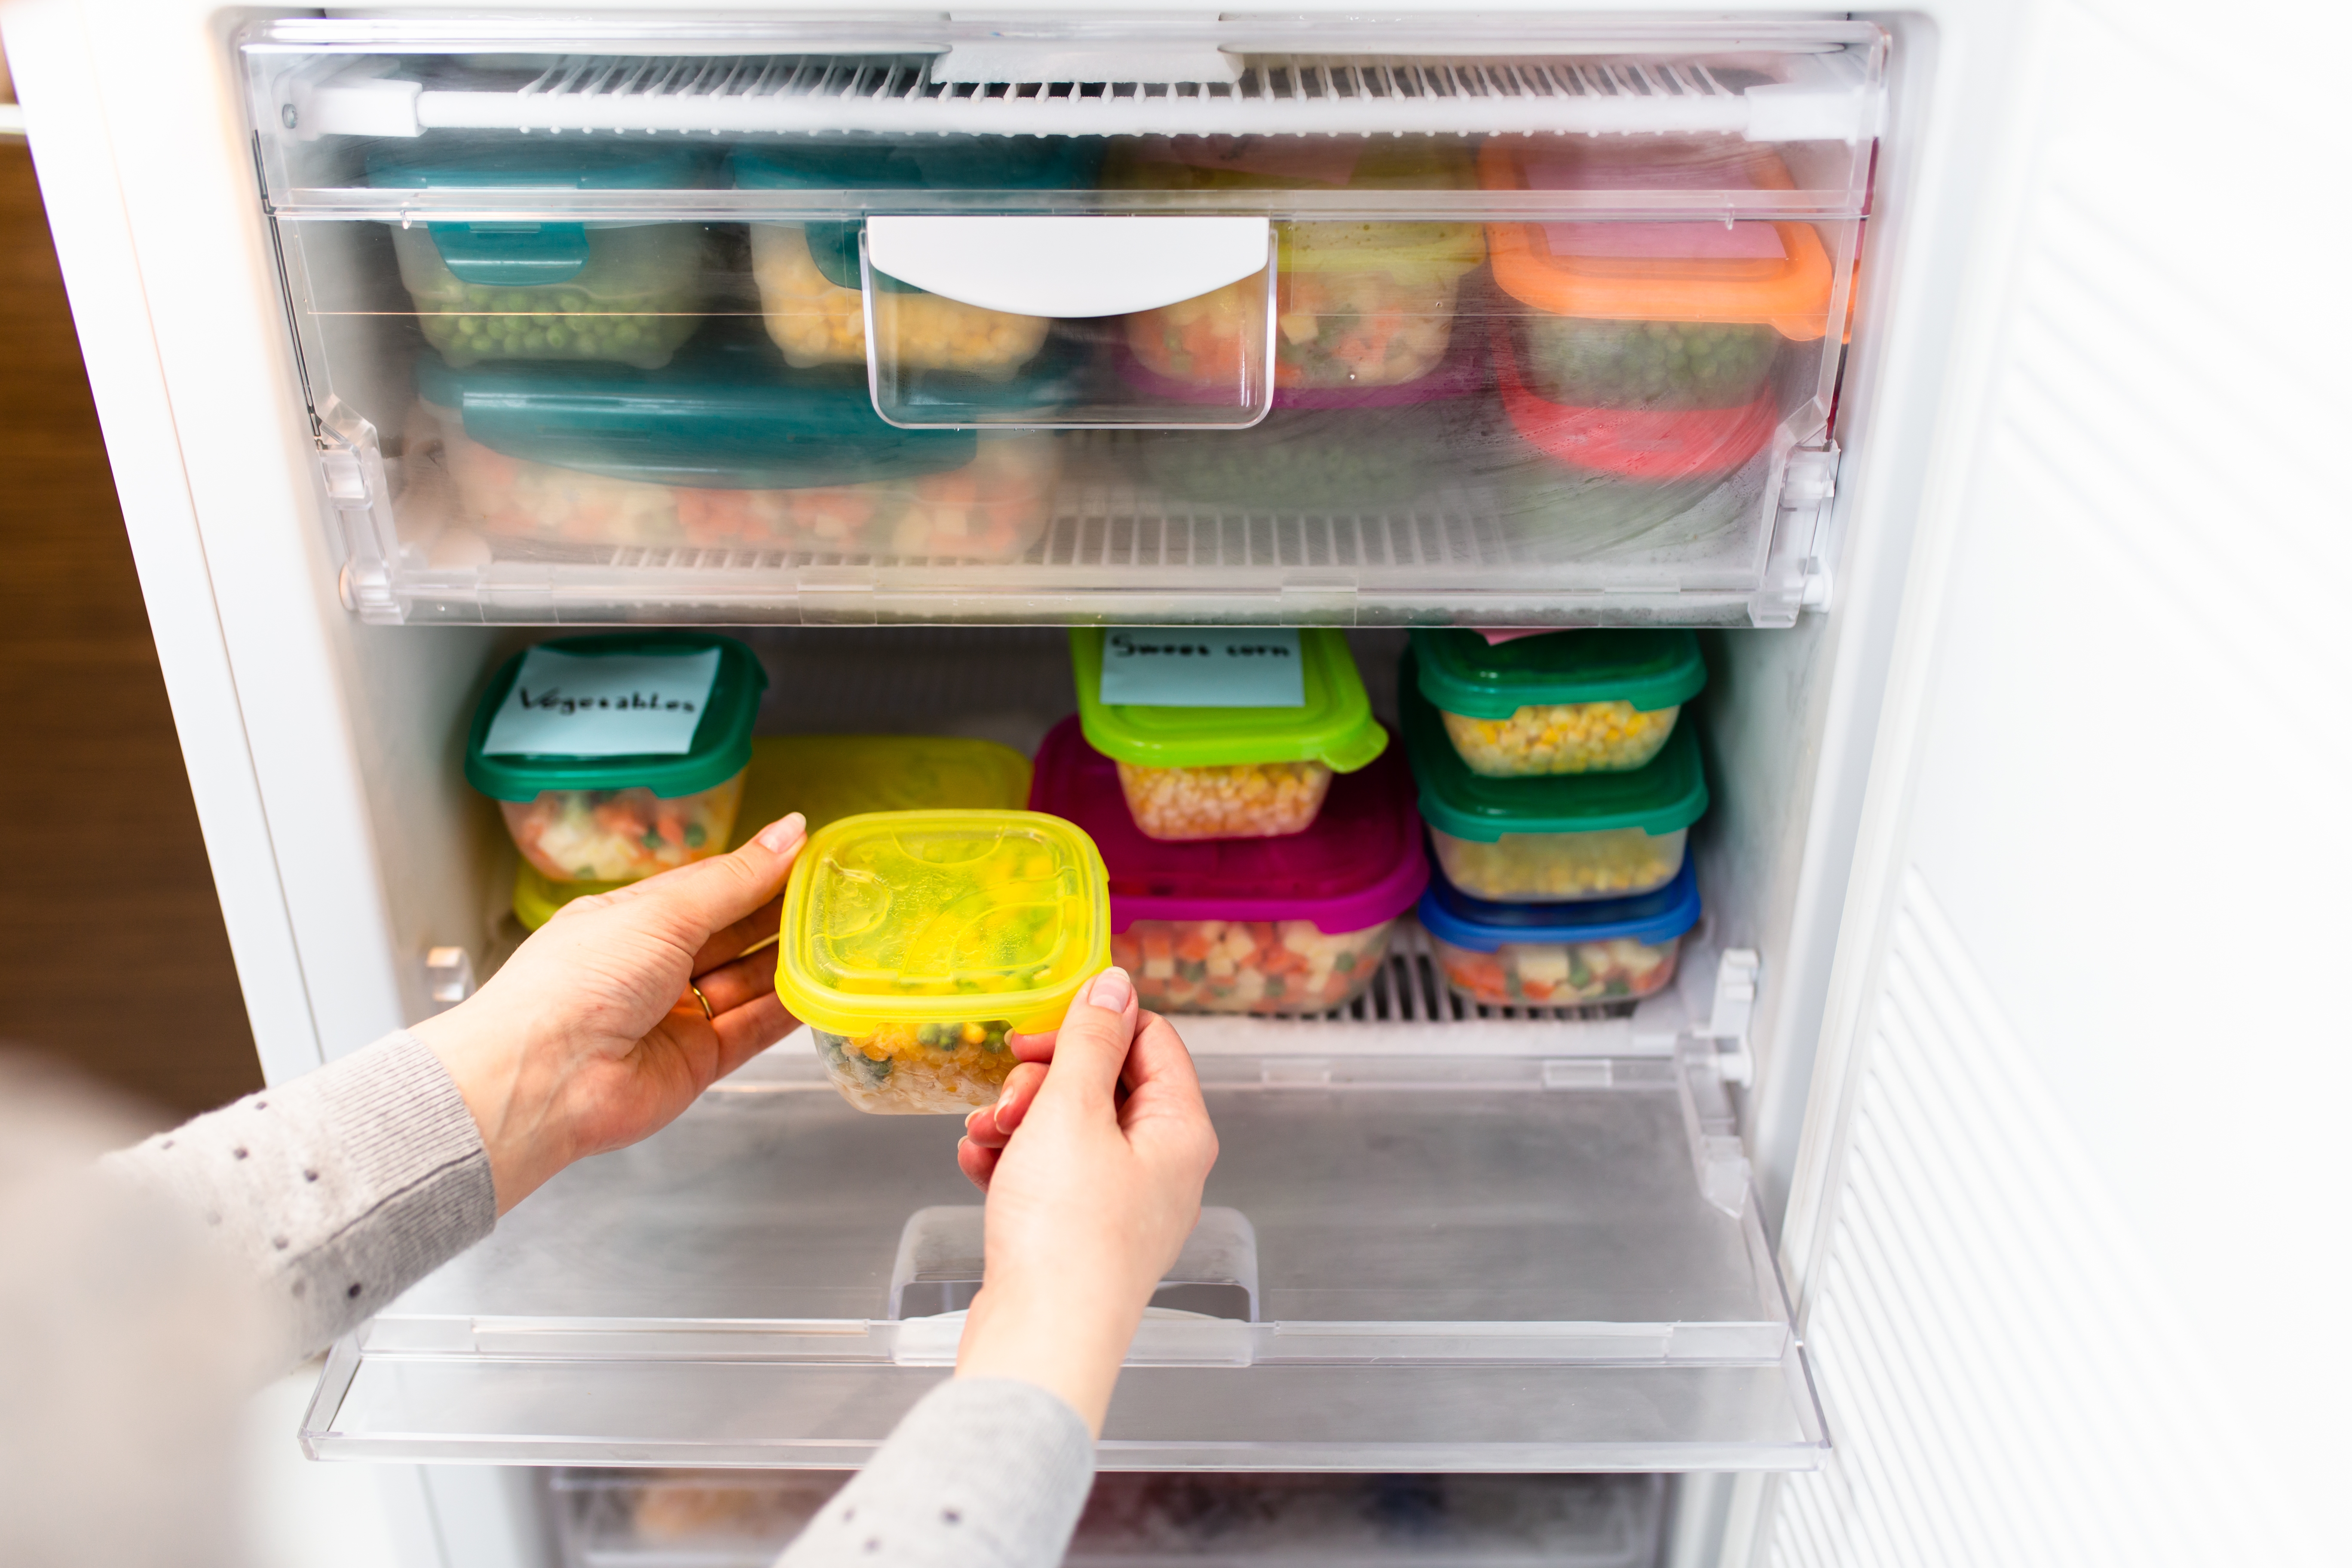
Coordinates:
529	255
1452	915
721	416
942	163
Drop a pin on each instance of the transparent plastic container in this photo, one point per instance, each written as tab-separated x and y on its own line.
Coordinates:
1356	304
1566	703
914	941
627	292
1297	924
724	449
825	777
1552	839
1192	773
606	816
1559	956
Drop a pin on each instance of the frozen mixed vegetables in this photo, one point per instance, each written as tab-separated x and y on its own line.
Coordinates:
1242	800
620	834
1331	329
1554	868
635	300
1558	974
1590	363
816	321
1248	966
1561	738
919	1069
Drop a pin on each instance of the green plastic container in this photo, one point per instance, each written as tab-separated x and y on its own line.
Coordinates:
1232	773
1555	838
1565	703
629	292
619	818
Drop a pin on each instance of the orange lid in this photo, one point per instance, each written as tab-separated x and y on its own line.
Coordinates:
1752	271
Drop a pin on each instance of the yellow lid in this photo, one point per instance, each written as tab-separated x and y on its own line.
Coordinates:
826	777
942	915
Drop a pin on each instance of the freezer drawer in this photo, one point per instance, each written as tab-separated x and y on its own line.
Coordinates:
1153	322
731	1519
1443	1261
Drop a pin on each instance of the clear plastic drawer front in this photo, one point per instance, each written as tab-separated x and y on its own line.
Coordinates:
1452	1262
1402	322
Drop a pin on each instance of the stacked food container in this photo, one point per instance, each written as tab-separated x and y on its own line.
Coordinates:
1559	790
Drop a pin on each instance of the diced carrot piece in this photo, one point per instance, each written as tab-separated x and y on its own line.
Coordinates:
1195	945
1158	944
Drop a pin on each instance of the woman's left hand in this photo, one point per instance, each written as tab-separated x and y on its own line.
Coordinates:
590	1038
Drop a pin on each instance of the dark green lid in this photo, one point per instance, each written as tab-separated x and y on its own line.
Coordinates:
941	164
529	255
1462	673
722	739
721	416
1668	792
1334	726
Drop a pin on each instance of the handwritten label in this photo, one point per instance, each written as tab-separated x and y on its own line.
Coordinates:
1189	666
603	705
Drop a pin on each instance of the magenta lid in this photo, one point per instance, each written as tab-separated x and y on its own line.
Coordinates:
1458	374
1359	864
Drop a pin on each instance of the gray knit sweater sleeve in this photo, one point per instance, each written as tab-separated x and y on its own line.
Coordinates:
981	1473
333	1193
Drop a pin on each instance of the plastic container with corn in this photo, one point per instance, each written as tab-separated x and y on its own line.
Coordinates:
1566	703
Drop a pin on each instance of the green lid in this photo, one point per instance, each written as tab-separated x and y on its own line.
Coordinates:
1669	793
1462	673
528	255
724	415
723	737
942	163
1335	726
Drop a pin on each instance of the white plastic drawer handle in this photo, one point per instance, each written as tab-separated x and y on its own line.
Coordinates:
1068	267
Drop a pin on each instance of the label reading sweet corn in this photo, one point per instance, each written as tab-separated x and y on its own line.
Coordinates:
1203	667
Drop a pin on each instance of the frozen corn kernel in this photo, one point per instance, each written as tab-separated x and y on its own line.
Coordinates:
816	321
1248	966
620	834
1558	973
919	1069
1558	868
1246	800
1561	738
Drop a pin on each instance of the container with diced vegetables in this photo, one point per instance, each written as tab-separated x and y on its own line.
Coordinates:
914	941
613	758
1566	703
1356	303
624	291
1209	765
724	448
1555	838
827	776
1295	924
809	274
1559	956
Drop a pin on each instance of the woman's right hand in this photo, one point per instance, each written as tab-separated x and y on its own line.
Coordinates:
1093	1159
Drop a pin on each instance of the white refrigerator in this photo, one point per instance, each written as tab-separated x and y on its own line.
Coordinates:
1945	1208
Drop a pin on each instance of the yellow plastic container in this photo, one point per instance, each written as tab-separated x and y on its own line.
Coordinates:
826	777
914	941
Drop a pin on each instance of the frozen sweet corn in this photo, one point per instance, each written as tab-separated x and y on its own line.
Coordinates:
1248	966
816	321
919	1069
1550	868
1243	800
620	834
1561	738
1558	973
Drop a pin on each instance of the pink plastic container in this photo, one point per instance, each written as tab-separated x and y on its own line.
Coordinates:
1294	924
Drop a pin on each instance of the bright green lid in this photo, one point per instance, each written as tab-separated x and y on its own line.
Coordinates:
1668	792
722	737
1462	673
1335	726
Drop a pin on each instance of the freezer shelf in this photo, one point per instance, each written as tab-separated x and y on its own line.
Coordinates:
1443	1262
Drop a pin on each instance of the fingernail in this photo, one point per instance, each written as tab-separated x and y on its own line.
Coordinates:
780	835
1008	1112
1112	989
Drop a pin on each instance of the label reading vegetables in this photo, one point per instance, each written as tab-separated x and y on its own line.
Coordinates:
610	705
1203	667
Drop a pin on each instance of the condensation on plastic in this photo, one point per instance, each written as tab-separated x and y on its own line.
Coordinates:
1248	966
1244	800
1561	868
1558	974
621	834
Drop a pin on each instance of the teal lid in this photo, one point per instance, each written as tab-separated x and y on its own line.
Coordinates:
942	163
723	737
1668	792
720	415
1462	673
527	255
1334	726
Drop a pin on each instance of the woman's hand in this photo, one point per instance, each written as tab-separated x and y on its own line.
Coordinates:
588	1038
1093	1168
